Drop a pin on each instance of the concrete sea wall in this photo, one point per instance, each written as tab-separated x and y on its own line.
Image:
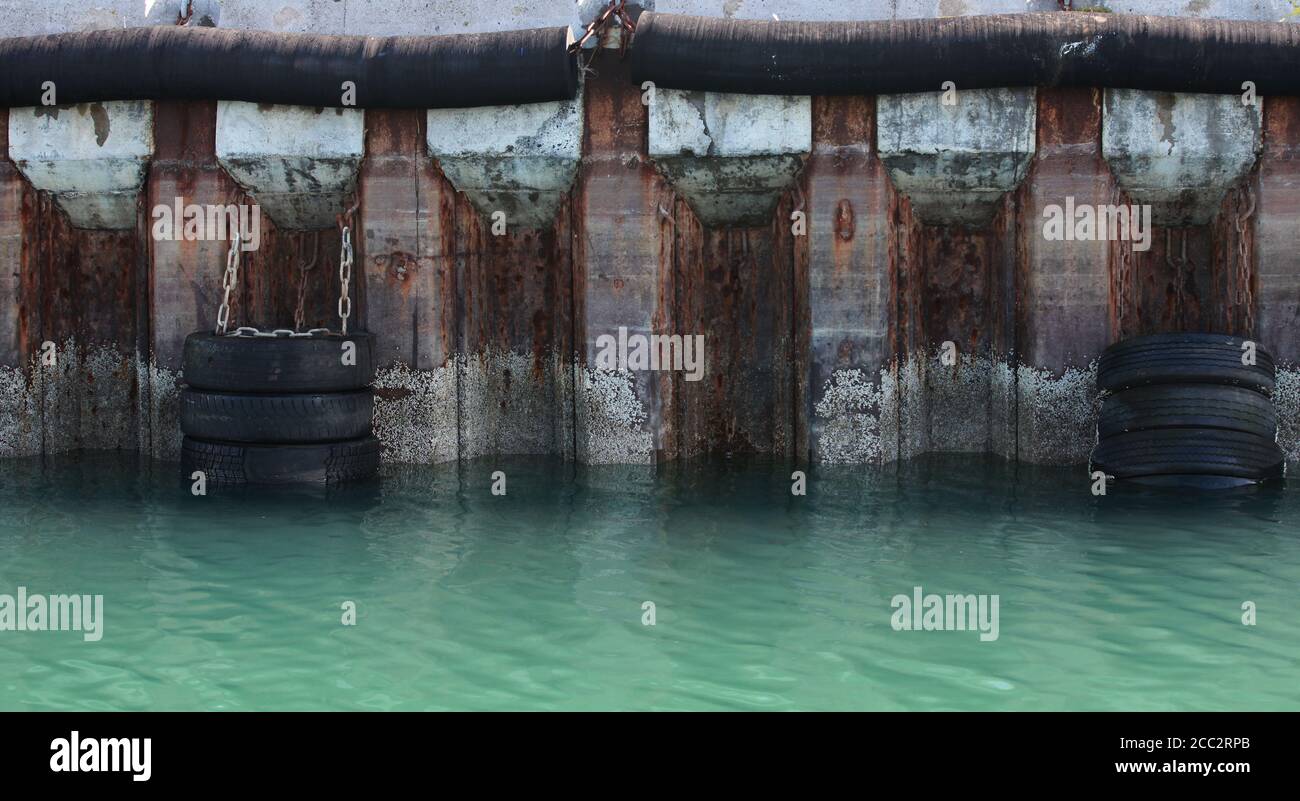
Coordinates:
872	276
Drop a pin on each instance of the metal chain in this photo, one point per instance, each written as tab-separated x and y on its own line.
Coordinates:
250	331
299	314
345	278
1124	288
1186	275
1123	285
1176	275
1182	272
1245	297
228	282
615	11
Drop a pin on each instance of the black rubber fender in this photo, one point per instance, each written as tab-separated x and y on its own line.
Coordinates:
1184	359
273	418
1188	451
198	63
232	463
1225	407
1170	54
277	364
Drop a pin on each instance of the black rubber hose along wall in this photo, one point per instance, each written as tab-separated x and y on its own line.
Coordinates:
1171	54
181	63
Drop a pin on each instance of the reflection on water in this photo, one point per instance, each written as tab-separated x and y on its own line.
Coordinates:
533	600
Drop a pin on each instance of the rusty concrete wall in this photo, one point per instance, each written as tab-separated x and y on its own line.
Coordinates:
71	320
183	287
1063	289
116	305
406	258
850	288
950	288
821	345
474	329
731	288
622	276
1275	290
515	334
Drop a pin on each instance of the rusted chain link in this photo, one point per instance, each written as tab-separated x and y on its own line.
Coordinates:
1181	271
228	281
616	10
1124	284
1175	272
1245	296
299	314
1127	286
1186	275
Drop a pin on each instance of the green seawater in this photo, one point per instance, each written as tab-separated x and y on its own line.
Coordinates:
534	600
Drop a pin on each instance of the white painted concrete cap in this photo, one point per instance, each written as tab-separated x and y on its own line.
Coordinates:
730	155
1180	152
299	163
954	162
520	160
91	156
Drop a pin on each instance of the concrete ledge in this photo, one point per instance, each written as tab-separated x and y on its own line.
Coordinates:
517	159
730	155
955	162
91	157
299	163
1179	152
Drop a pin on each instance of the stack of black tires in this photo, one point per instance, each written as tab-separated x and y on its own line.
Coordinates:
1189	410
259	409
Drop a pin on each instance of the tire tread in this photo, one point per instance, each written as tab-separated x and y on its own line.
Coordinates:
226	464
254	418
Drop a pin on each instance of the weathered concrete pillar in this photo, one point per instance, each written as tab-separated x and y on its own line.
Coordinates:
955	159
1065	318
407	266
184	276
1277	243
850	395
622	276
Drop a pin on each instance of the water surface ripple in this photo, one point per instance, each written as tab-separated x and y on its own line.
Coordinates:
533	600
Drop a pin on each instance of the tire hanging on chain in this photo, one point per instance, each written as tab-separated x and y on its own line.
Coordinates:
282	406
